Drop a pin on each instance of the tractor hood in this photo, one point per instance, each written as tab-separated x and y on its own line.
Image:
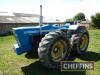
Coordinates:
35	29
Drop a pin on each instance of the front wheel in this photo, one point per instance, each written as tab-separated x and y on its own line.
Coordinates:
53	48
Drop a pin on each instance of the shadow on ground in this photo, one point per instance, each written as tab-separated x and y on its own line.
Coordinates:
37	69
31	55
89	56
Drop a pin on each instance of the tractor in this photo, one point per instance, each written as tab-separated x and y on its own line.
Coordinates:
52	42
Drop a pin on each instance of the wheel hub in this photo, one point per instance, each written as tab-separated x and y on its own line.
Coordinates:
58	50
83	42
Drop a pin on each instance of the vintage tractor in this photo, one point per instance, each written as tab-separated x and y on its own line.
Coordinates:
53	43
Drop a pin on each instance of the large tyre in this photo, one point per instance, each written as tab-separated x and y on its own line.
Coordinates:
53	48
82	42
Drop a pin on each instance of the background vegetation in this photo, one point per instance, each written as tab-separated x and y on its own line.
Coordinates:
95	20
79	17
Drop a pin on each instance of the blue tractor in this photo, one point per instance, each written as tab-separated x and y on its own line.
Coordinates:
53	43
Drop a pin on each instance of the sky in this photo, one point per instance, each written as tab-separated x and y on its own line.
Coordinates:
55	9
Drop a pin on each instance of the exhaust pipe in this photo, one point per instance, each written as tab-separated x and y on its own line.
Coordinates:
41	20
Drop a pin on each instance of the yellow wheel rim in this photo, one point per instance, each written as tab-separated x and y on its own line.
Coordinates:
83	41
58	50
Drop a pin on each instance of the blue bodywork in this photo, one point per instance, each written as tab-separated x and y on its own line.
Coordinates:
24	34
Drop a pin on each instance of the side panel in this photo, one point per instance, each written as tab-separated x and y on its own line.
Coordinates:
73	27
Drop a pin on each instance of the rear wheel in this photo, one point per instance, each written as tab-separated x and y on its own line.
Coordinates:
53	48
82	42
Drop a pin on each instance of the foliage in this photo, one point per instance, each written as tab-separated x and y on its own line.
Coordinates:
79	17
95	20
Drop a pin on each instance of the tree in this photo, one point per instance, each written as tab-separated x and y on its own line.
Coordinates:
79	17
95	20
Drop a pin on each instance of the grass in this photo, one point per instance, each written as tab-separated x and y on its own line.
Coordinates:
12	64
